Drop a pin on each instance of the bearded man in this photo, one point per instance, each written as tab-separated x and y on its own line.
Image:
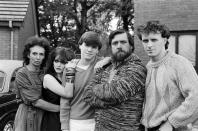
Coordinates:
117	91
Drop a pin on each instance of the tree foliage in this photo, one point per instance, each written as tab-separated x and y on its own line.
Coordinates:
126	13
64	21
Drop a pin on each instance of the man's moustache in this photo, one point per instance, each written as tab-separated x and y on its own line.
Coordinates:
120	50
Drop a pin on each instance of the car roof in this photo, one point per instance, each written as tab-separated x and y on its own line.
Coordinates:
6	65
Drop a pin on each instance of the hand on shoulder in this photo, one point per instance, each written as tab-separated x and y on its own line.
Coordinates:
98	66
72	63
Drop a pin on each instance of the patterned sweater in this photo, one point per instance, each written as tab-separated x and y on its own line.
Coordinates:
117	94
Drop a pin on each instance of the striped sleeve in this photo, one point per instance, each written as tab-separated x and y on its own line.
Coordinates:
128	81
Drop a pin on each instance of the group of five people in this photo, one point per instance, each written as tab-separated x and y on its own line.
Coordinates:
116	93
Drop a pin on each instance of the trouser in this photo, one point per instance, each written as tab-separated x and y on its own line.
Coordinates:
82	125
157	128
154	128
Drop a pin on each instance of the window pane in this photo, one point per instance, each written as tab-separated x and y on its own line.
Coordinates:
2	77
187	47
171	45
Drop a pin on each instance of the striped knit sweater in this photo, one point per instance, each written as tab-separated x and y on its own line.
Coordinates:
117	94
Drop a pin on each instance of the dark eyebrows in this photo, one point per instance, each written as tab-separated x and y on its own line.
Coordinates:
145	40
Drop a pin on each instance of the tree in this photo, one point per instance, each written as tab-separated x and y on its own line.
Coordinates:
126	13
55	24
64	21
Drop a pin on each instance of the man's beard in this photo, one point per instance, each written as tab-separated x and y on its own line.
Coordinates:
121	55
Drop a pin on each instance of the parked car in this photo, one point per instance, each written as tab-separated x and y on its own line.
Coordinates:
8	101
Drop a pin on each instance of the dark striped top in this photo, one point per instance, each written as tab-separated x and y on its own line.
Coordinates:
118	102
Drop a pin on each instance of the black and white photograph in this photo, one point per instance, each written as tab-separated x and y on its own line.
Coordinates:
98	65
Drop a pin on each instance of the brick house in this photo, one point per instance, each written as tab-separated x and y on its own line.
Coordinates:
17	22
181	16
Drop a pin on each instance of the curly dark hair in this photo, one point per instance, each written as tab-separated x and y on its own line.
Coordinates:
121	31
64	55
36	41
154	27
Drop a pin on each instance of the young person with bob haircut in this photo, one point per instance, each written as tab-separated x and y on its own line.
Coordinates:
55	67
75	114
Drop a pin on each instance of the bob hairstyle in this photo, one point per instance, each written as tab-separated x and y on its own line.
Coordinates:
91	38
64	55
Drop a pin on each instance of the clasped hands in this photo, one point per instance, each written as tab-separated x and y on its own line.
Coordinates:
71	64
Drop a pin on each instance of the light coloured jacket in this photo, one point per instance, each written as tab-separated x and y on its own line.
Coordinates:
171	92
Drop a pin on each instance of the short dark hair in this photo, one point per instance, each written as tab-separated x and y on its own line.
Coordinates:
121	31
64	54
154	27
36	41
91	38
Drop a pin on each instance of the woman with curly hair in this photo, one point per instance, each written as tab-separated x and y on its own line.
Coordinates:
29	82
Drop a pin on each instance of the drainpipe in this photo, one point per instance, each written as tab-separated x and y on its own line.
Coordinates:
11	40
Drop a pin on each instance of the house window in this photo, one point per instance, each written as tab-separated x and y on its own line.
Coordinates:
184	43
187	47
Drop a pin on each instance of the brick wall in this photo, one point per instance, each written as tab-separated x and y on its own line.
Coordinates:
178	15
5	43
